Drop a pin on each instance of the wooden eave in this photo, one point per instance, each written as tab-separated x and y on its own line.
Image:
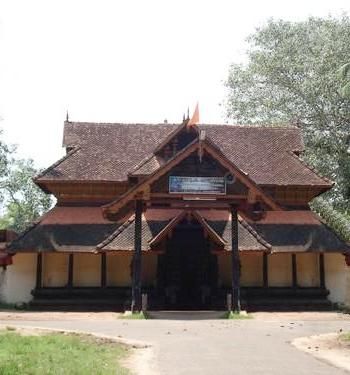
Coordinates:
168	228
143	187
209	230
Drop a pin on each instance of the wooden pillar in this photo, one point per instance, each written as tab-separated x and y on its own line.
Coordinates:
322	272
294	271
235	264
265	271
136	262
39	271
103	270
70	270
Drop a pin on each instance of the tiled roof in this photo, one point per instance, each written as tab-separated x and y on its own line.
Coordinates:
109	152
85	229
123	238
298	231
65	229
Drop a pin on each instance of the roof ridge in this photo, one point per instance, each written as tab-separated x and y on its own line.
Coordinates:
58	162
253	126
119	123
312	169
254	233
116	233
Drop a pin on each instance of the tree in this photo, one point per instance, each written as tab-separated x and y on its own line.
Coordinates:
21	200
5	159
292	76
344	73
337	221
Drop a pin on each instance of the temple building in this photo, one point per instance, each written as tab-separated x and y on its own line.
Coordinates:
184	214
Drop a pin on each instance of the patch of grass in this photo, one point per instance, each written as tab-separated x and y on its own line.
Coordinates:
345	336
9	328
57	354
237	316
136	315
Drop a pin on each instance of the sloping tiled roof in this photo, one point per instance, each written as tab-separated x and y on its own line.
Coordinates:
108	152
84	229
123	238
298	231
65	229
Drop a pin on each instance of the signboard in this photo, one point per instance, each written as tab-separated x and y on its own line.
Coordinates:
197	185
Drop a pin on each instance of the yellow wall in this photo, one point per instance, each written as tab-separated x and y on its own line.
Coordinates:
308	270
55	269
251	269
280	269
118	269
18	280
149	269
87	269
224	269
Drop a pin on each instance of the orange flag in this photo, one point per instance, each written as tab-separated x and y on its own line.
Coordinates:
195	117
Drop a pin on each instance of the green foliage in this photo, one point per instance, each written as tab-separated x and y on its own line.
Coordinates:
22	202
292	76
339	222
5	160
59	354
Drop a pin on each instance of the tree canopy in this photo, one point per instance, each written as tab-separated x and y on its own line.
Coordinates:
292	76
21	201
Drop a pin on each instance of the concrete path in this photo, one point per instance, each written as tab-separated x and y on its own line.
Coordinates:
207	346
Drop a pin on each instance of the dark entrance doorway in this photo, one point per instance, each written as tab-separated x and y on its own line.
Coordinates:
187	272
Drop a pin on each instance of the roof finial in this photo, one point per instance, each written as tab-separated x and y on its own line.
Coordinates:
67	116
188	113
183	118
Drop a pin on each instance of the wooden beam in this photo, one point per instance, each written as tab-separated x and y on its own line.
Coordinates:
235	264
136	262
39	270
265	271
294	271
103	270
322	271
70	270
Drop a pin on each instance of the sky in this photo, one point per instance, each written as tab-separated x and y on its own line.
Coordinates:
123	61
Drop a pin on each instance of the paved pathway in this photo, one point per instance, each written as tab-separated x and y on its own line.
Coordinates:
186	346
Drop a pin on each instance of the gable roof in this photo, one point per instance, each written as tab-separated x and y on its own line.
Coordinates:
154	230
206	145
109	152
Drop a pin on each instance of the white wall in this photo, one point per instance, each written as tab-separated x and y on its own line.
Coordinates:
18	280
337	275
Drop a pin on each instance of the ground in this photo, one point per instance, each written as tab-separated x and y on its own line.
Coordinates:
200	344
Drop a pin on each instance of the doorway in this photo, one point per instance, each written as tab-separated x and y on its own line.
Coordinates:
188	271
